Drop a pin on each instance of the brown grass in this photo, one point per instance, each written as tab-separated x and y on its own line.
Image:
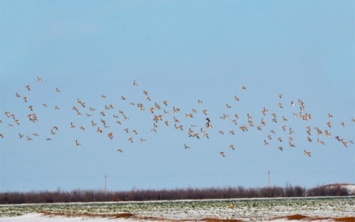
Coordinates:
345	219
296	217
119	215
307	218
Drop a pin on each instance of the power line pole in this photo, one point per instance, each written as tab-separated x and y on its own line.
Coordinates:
268	179
105	183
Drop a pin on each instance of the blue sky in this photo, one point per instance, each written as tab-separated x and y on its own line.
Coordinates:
181	52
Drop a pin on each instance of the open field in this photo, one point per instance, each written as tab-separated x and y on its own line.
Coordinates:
261	209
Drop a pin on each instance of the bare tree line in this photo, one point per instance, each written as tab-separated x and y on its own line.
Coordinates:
164	194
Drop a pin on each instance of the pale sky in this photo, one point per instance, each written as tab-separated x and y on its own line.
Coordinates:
180	52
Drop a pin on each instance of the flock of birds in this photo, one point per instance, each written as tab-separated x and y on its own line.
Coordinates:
162	113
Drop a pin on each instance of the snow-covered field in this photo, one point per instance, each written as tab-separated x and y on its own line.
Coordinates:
35	217
277	209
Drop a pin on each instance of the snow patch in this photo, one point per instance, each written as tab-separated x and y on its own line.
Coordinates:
41	218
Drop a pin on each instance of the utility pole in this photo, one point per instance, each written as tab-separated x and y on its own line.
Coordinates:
268	179
105	183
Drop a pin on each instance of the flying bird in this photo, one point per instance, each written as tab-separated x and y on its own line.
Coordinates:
266	143
307	153
195	118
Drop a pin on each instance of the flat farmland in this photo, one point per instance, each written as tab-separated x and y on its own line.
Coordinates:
263	209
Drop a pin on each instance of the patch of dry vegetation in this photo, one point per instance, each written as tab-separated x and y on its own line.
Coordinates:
299	217
117	215
296	217
345	219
